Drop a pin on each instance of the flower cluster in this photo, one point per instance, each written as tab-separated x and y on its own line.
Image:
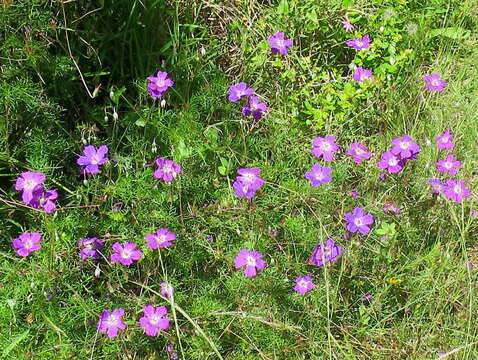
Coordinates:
403	150
159	84
92	158
247	182
30	183
89	248
254	106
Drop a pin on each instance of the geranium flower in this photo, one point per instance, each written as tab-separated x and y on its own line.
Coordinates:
359	43
251	260
362	74
325	252
434	83
324	147
455	190
159	84
303	284
449	166
111	323
445	141
390	162
89	248
92	158
255	107
154	319
27	243
162	238
405	147
27	182
279	44
319	175
44	199
125	254
358	221
238	91
167	169
359	152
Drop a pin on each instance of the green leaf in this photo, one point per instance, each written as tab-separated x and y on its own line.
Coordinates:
222	170
283	8
455	33
14	342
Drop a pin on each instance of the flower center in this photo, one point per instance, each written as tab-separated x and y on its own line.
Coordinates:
359	43
95	159
444	139
280	42
154	319
251	261
249	177
404	145
161	238
359	151
125	254
303	284
435	82
326	146
319	176
358	222
457	189
448	165
393	161
112	321
28	244
327	251
30	184
160	83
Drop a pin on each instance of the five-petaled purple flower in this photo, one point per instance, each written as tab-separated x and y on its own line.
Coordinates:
111	323
319	175
279	44
303	284
125	254
434	83
238	91
455	190
324	147
255	107
27	243
404	147
89	248
449	166
325	252
44	199
247	182
159	84
166	289
167	169
362	74
251	260
154	318
358	221
348	26
390	162
92	158
27	182
445	141
359	43
161	238
359	152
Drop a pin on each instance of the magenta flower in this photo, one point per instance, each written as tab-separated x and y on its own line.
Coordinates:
358	221
325	252
436	185
111	323
251	260
434	83
238	91
445	141
161	238
247	183
27	243
125	254
154	318
27	182
166	290
390	208
359	43
167	169
303	284
319	175
354	193
279	44
404	147
348	26
44	199
449	166
359	152
390	162
325	147
362	74
455	190
159	84
367	298
89	248
92	158
255	107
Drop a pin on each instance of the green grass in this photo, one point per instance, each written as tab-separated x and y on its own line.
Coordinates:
424	293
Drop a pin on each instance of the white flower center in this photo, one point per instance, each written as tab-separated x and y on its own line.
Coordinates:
393	161
358	222
154	319
249	177
161	238
359	151
319	176
444	139
435	82
30	184
303	284
160	83
251	261
112	320
448	165
326	146
280	42
95	159
457	189
28	244
404	145
359	43
125	254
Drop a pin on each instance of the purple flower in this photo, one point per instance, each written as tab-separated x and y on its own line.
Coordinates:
27	243
367	298
404	147
111	323
254	107
167	169
348	26
358	221
382	176
319	175
92	158
89	248
436	185
162	238
390	208
359	152
325	147
325	252
125	254
154	319
279	44
445	141
390	162
159	84
455	190
362	74
27	182
449	166
303	284
166	290
238	91
44	199
434	83
359	43
252	260
354	193
174	356
247	183
474	213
